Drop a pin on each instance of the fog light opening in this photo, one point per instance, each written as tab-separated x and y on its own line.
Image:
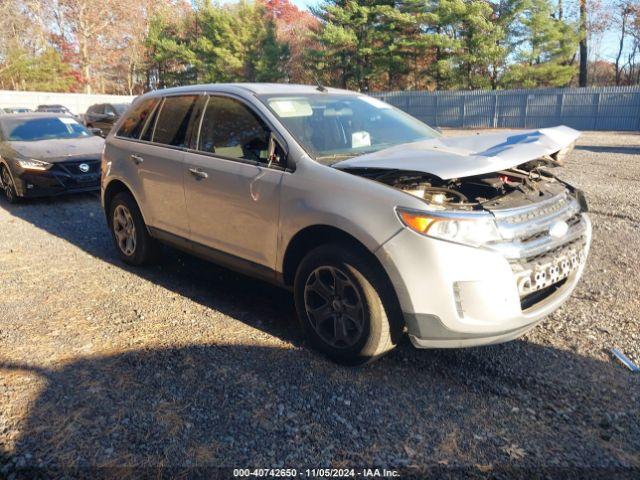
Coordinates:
458	299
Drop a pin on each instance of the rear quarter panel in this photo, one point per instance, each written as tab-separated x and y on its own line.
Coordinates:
115	155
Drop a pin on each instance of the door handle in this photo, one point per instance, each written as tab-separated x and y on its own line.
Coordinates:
198	173
137	159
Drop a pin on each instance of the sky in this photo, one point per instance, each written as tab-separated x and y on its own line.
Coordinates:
305	4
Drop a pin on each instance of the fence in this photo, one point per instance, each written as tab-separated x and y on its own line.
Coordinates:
601	108
76	102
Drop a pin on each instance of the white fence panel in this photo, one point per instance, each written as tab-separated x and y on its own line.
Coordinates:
76	102
597	108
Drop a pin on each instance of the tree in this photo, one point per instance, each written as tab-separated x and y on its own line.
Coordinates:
294	30
29	62
583	43
544	47
481	50
84	23
365	44
345	44
625	10
215	43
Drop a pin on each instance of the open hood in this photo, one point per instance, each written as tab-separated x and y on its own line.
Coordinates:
458	157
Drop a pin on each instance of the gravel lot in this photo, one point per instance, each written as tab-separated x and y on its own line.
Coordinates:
185	364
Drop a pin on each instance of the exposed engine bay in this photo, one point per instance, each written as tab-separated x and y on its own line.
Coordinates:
515	187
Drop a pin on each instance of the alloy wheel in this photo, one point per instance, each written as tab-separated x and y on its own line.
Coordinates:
7	184
124	230
334	307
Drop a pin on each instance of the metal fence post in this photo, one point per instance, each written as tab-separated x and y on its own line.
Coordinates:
464	109
494	121
526	110
596	120
560	107
435	120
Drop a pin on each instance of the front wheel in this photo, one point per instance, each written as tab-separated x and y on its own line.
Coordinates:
8	187
135	245
345	304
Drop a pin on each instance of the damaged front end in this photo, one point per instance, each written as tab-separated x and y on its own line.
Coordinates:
525	213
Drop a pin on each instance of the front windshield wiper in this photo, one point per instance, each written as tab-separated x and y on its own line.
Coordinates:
338	156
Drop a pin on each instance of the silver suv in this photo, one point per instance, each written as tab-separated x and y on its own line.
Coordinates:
378	224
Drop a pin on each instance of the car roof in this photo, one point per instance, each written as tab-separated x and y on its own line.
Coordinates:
255	88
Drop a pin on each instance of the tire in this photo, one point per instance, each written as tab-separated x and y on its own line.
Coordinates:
331	323
8	187
129	232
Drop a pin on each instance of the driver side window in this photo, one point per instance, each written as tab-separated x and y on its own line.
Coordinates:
231	129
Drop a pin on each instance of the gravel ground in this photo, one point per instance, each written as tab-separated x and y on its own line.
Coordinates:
186	364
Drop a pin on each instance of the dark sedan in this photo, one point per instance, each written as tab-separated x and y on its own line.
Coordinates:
43	154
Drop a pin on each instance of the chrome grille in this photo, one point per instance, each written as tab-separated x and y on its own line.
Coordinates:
73	167
538	259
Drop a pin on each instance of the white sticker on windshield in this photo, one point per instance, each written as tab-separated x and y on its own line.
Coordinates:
291	107
374	102
360	139
67	120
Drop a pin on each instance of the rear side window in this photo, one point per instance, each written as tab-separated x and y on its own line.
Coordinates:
231	129
173	120
135	120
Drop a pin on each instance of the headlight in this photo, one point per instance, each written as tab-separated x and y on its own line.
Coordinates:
474	230
32	164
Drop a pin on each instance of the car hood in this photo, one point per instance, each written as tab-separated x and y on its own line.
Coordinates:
456	157
59	150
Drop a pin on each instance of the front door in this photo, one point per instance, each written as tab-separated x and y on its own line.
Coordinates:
233	197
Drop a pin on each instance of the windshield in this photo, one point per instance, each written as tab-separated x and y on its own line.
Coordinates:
34	129
120	107
333	127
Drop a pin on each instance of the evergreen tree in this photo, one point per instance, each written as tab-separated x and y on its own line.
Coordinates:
216	43
480	39
544	48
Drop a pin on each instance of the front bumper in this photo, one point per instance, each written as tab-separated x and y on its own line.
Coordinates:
62	178
458	296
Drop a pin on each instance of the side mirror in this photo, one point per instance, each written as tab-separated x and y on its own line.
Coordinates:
275	154
110	115
96	131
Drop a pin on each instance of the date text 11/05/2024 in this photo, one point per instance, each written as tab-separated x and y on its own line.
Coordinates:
316	472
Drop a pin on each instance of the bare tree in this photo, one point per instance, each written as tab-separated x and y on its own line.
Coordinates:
86	24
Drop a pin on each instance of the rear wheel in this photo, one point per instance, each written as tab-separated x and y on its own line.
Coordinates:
344	304
135	245
8	187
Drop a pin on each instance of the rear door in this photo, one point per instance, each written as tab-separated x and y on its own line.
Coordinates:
233	197
154	159
161	164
